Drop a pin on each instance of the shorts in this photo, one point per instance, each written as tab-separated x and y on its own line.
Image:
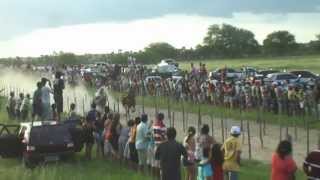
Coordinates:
142	156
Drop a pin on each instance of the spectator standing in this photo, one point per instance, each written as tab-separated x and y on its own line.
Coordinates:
204	166
132	143
189	143
11	106
58	87
283	166
204	140
123	139
37	109
232	154
45	98
18	105
311	165
25	107
217	162
159	136
89	129
169	154
142	141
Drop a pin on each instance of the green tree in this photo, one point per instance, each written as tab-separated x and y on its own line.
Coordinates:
66	58
156	52
279	43
230	41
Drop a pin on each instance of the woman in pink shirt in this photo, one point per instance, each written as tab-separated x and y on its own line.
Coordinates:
283	166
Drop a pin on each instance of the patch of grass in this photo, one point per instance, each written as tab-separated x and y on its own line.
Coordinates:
311	63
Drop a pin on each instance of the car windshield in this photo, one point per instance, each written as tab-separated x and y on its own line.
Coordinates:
286	76
49	135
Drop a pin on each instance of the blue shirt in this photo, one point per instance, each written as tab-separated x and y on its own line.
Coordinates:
142	136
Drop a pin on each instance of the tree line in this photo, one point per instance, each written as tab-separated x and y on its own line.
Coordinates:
221	41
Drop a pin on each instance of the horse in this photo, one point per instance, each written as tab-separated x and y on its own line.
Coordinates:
129	101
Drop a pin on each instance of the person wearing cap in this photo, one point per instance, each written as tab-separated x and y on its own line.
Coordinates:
142	139
232	154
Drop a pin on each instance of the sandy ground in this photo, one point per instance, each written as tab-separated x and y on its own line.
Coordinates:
270	139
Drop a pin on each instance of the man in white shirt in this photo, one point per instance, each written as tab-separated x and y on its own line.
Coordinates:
45	98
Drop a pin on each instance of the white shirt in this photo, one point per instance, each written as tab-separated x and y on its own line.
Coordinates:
45	95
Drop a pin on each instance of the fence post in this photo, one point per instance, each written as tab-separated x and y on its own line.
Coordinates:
199	117
308	136
118	100
211	116
183	117
172	119
249	139
260	127
222	127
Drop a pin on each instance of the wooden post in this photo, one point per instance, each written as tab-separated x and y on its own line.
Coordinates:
83	107
308	136
212	132
143	103
183	117
241	125
199	117
280	127
260	127
295	129
172	119
222	128
118	101
169	110
249	139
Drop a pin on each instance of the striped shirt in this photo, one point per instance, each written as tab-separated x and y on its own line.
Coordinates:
159	132
311	165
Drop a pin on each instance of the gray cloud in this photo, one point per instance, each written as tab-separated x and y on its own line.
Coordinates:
19	16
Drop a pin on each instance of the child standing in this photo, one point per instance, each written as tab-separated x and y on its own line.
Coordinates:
217	162
189	143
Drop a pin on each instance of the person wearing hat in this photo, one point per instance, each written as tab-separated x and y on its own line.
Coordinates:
232	154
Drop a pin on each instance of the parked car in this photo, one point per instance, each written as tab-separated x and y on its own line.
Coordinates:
40	142
230	73
264	73
281	78
305	76
170	62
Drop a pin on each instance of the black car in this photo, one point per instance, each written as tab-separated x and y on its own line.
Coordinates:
40	142
305	75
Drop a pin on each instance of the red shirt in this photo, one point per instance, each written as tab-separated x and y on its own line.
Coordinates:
282	168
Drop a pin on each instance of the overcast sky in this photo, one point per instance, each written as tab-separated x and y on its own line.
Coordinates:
35	27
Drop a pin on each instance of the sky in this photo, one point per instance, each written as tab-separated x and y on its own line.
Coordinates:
38	27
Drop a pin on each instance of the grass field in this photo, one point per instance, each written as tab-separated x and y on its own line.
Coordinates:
311	63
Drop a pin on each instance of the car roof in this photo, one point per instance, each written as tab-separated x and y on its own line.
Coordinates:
38	123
